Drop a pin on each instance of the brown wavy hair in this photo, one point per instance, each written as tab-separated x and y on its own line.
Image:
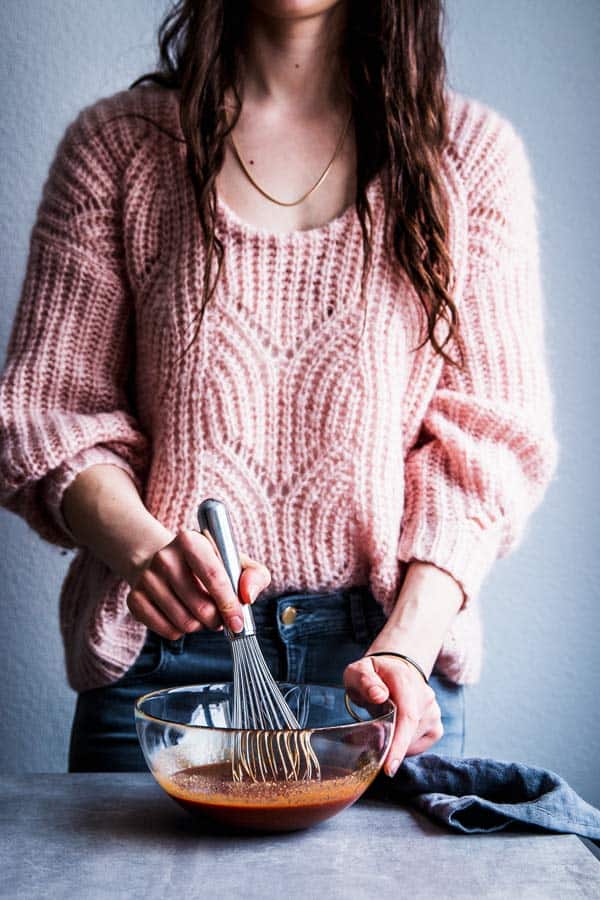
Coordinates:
394	66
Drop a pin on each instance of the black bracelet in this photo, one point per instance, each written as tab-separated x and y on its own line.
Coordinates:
405	658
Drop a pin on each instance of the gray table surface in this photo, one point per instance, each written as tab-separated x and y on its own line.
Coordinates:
107	835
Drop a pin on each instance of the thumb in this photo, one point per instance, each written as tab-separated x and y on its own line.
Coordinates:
255	577
364	684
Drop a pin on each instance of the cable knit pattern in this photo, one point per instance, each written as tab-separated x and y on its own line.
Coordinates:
341	460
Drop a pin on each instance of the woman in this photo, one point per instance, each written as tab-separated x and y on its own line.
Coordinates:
294	271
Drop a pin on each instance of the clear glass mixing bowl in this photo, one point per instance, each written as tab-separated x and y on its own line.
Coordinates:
188	743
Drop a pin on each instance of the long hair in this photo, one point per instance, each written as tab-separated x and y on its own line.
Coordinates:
394	66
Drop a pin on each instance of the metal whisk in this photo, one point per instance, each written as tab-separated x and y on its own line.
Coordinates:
271	744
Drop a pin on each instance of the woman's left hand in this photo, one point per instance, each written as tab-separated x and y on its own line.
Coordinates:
418	717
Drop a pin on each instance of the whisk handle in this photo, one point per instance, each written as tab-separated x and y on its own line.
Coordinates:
214	523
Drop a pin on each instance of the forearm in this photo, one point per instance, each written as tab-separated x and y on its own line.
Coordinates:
105	512
426	605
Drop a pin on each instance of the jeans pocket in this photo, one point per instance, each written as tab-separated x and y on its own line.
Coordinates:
149	661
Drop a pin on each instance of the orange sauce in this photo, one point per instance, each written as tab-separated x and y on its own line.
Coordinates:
210	791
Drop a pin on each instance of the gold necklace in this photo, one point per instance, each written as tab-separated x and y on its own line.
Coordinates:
315	185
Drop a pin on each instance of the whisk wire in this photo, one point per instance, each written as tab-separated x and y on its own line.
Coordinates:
269	743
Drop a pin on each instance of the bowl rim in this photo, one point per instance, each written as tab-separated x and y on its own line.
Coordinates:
140	714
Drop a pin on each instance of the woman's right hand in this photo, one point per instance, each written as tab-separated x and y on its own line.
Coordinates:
184	587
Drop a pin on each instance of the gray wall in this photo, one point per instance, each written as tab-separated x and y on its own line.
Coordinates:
533	60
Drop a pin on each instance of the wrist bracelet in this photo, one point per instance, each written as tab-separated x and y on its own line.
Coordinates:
405	658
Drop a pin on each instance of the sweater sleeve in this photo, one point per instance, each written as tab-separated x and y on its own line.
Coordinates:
63	391
487	448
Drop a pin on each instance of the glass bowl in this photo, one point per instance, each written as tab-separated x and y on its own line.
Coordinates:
189	744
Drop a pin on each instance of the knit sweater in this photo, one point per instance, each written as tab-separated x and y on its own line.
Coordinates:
341	456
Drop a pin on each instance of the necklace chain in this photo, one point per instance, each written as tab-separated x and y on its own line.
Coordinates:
317	183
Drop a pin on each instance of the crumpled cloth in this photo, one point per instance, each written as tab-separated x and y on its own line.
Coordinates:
483	795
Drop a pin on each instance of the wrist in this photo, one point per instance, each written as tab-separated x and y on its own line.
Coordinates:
104	510
396	639
403	657
417	625
153	538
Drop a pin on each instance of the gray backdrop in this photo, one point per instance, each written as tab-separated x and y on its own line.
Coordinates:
536	62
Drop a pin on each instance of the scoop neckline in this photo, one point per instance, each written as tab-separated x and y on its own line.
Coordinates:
297	234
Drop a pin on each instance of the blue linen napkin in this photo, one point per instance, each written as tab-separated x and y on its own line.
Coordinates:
484	795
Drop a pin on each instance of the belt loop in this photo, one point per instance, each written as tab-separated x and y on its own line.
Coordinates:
357	615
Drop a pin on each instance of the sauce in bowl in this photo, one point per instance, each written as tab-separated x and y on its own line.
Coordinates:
210	791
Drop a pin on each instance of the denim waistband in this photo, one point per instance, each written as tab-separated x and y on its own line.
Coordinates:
351	610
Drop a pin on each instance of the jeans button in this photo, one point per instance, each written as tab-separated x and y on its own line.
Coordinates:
288	615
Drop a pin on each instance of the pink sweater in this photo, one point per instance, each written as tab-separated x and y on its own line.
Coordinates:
339	463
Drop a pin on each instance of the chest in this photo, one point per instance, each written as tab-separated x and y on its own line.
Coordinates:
286	158
285	302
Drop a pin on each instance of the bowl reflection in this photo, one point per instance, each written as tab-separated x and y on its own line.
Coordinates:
189	745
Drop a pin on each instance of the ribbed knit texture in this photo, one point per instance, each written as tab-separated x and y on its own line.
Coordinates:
339	461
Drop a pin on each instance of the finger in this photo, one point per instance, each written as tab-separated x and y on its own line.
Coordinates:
407	720
160	595
364	684
406	724
426	740
429	731
411	699
207	613
143	610
205	563
255	578
171	565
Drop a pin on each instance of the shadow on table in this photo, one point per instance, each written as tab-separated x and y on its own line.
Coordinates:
157	817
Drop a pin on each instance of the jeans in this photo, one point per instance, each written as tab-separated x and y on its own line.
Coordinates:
330	630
